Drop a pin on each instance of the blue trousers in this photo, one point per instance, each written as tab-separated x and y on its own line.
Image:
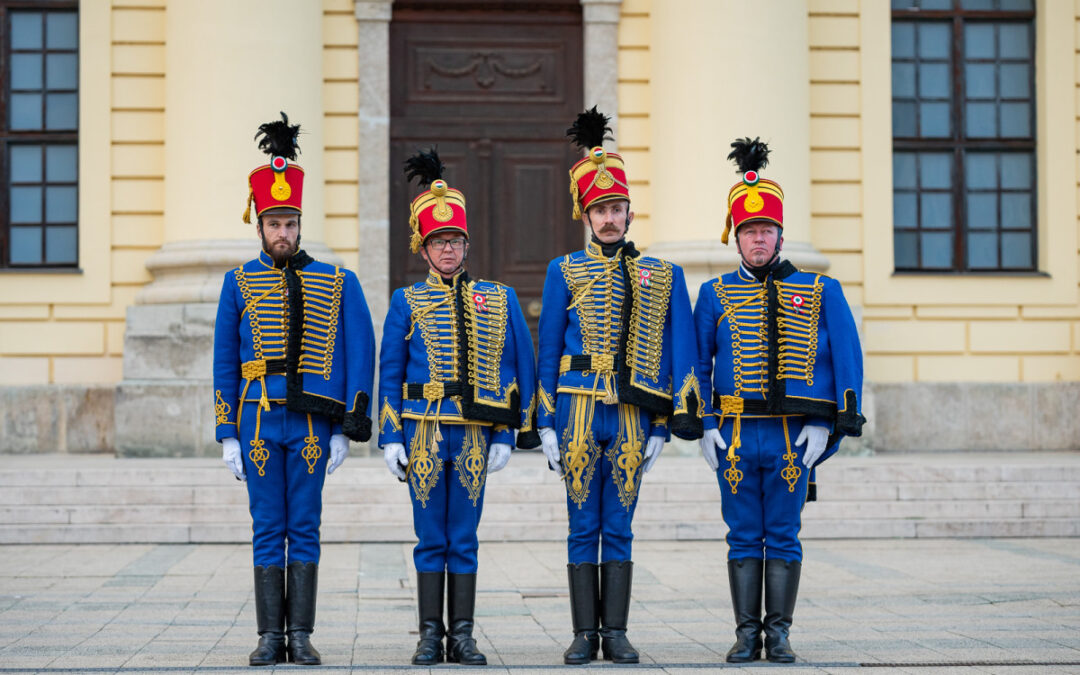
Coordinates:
602	448
763	489
285	456
446	483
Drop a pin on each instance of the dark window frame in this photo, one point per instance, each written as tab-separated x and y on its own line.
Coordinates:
9	137
958	145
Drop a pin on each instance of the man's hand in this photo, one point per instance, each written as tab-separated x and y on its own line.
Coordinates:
652	451
815	437
396	459
549	441
710	443
339	450
498	456
230	454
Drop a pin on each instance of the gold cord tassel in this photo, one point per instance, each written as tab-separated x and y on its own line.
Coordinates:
574	197
247	211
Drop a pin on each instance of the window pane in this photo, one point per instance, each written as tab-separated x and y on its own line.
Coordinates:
903	80
26	30
903	119
60	245
936	210
979	40
1016	210
60	164
934	120
1016	171
1013	41
904	214
937	4
1015	120
1015	80
26	245
25	111
935	170
934	41
934	80
982	211
60	206
25	163
25	204
62	111
1016	5
981	171
62	71
977	4
1016	250
61	30
903	164
936	250
981	120
26	71
905	251
979	81
903	4
982	250
903	40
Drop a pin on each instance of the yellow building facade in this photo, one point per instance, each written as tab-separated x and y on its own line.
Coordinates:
171	91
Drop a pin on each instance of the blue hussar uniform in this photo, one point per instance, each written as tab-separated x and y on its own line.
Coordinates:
781	379
294	359
456	374
457	381
616	370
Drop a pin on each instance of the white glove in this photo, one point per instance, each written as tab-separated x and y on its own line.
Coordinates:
339	450
815	438
498	456
549	441
652	451
230	454
396	459
710	443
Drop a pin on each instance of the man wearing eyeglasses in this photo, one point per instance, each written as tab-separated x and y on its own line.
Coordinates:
456	378
616	378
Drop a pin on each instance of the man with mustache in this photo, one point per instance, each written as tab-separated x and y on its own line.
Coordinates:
456	378
781	378
616	370
294	354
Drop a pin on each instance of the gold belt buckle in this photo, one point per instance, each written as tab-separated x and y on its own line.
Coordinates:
731	404
603	363
433	391
253	370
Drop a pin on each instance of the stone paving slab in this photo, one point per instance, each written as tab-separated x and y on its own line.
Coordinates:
884	606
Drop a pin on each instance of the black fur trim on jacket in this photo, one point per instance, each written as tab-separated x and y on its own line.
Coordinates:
628	393
689	425
850	422
356	425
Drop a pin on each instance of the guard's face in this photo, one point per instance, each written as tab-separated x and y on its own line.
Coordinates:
758	242
609	220
445	252
280	234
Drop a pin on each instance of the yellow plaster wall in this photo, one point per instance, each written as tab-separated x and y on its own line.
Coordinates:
635	102
941	328
341	158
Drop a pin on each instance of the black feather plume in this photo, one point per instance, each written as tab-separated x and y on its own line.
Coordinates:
279	138
589	129
425	165
749	155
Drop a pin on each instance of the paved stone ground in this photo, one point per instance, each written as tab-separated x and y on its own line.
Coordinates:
924	606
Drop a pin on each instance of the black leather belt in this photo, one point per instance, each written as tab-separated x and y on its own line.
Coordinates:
587	362
275	366
750	406
415	390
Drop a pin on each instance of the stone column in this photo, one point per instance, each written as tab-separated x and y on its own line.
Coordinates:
728	72
373	26
232	66
601	27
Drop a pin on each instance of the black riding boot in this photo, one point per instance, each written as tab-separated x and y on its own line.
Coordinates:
300	612
781	588
616	578
429	601
745	576
460	603
269	616
584	613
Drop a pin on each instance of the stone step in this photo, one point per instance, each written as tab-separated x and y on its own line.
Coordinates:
60	498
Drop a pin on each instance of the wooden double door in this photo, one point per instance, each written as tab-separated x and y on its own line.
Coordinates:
494	87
